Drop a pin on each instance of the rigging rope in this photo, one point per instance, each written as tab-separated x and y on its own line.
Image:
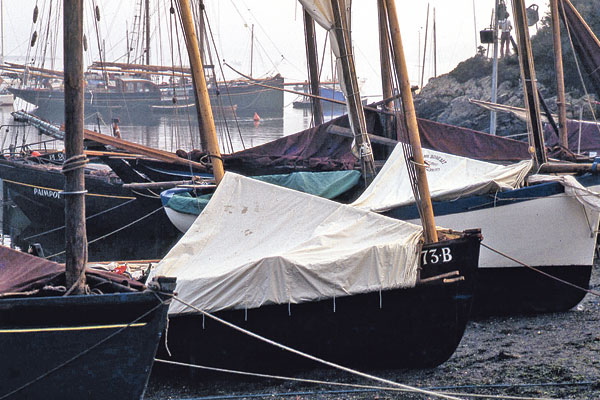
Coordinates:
590	291
110	233
366	388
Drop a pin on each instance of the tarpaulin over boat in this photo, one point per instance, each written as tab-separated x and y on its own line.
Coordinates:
318	150
21	272
328	184
582	136
470	143
257	244
449	177
313	149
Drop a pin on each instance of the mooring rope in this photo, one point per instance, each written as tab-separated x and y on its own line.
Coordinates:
311	357
84	352
365	388
592	292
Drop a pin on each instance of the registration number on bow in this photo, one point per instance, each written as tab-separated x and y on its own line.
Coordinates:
436	255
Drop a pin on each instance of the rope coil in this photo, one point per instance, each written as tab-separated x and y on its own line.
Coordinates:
74	163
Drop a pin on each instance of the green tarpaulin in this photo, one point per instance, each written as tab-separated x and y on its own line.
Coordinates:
328	185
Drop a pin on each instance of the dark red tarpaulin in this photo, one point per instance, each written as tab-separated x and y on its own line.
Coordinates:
22	272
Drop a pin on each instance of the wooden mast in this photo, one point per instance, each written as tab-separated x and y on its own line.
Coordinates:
560	80
386	72
356	114
74	193
313	67
494	99
429	228
425	47
205	115
384	55
534	122
147	32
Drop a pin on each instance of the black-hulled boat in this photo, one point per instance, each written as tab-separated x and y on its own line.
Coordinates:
36	189
417	327
339	283
85	346
66	332
123	96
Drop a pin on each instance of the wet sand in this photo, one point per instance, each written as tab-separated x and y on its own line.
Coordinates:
541	356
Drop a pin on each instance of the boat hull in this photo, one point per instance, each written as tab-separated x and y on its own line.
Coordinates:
109	209
38	335
399	328
537	225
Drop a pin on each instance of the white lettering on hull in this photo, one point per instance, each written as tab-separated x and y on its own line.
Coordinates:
46	193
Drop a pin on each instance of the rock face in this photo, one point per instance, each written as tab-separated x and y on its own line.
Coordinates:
446	98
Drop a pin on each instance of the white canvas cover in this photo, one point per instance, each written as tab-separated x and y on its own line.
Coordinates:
449	177
588	198
256	243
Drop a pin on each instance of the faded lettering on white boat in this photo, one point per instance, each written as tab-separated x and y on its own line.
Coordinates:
434	162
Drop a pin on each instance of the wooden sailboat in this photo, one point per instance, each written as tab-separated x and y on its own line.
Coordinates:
278	293
548	230
57	341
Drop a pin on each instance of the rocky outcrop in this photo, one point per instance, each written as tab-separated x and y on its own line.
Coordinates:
446	98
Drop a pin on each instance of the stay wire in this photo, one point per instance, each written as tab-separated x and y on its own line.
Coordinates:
86	218
369	388
110	233
212	38
590	291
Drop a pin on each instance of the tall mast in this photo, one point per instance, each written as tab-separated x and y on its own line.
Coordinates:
429	228
493	117
147	32
384	55
251	50
386	68
356	113
425	47
560	80
434	46
201	28
74	193
312	59
1	32
208	132
532	104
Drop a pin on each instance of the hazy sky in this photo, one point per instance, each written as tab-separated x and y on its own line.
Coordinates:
278	30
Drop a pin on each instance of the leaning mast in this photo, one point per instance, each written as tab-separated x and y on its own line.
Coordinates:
208	132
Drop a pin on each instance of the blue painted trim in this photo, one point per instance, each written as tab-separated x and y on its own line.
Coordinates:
488	201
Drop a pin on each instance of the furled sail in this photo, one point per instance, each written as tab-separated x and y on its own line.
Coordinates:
449	176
